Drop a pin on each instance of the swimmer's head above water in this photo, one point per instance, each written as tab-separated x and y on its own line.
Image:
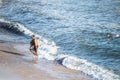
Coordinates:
109	35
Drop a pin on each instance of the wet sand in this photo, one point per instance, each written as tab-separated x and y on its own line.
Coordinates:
14	65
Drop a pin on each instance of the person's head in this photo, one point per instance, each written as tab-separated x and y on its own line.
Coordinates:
109	35
33	36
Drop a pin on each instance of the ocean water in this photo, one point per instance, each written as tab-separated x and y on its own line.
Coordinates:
70	32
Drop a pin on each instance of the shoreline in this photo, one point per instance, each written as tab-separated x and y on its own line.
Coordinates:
27	69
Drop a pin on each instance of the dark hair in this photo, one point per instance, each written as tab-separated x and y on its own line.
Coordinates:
109	35
33	35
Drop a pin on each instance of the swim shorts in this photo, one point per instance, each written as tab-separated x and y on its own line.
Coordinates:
34	48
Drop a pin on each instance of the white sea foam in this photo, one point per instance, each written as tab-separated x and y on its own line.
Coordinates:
89	68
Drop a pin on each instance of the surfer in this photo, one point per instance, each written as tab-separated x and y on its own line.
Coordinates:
34	46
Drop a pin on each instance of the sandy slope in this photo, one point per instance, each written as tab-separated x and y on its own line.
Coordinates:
14	66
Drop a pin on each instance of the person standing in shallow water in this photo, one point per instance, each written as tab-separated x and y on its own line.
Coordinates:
34	46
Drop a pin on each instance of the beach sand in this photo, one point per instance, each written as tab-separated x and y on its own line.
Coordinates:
14	65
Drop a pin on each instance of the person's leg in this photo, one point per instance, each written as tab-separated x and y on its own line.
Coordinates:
36	52
33	52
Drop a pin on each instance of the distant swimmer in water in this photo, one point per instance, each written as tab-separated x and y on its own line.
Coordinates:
109	35
34	46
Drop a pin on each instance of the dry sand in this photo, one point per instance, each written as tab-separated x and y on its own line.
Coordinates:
14	67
